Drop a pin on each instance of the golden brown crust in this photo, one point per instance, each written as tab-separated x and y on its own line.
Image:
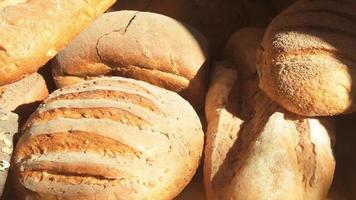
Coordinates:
28	90
306	62
109	138
258	150
139	45
32	32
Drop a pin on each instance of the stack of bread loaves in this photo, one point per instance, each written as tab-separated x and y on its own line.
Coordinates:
124	122
31	33
106	137
256	147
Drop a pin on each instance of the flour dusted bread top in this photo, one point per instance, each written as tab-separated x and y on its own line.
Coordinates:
109	138
32	32
307	60
140	45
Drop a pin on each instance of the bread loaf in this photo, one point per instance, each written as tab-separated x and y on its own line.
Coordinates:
25	91
109	138
257	150
307	61
32	32
144	46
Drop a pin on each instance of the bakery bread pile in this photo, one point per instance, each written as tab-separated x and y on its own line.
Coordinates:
137	89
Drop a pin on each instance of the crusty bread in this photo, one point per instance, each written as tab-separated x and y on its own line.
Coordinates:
32	32
28	90
9	123
109	138
257	150
140	45
269	154
241	50
216	19
307	61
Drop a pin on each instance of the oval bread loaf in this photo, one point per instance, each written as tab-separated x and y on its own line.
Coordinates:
28	90
307	60
140	45
271	154
109	138
32	32
257	150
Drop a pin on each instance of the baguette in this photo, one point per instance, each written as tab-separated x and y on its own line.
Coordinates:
32	32
109	138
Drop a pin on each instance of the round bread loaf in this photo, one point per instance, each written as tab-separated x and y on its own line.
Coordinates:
28	90
109	138
307	61
32	32
140	45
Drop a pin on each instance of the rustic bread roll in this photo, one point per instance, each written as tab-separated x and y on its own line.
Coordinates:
9	123
109	138
25	91
256	149
31	32
269	154
144	46
307	61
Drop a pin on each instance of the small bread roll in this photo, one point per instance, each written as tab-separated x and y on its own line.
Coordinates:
140	45
25	91
109	138
32	32
257	150
307	61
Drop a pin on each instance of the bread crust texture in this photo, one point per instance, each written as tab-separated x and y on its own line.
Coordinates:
139	45
307	62
32	32
110	138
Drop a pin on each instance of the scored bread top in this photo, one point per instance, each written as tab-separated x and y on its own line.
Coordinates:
109	138
32	32
140	45
307	61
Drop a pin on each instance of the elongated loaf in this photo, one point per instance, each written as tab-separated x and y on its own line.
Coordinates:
257	150
32	32
28	90
140	45
109	138
307	61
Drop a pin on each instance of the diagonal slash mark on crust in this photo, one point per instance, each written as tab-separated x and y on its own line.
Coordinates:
130	21
113	31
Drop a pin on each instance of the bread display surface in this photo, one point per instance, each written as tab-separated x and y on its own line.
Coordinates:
257	150
140	45
8	128
28	90
307	60
109	138
32	32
